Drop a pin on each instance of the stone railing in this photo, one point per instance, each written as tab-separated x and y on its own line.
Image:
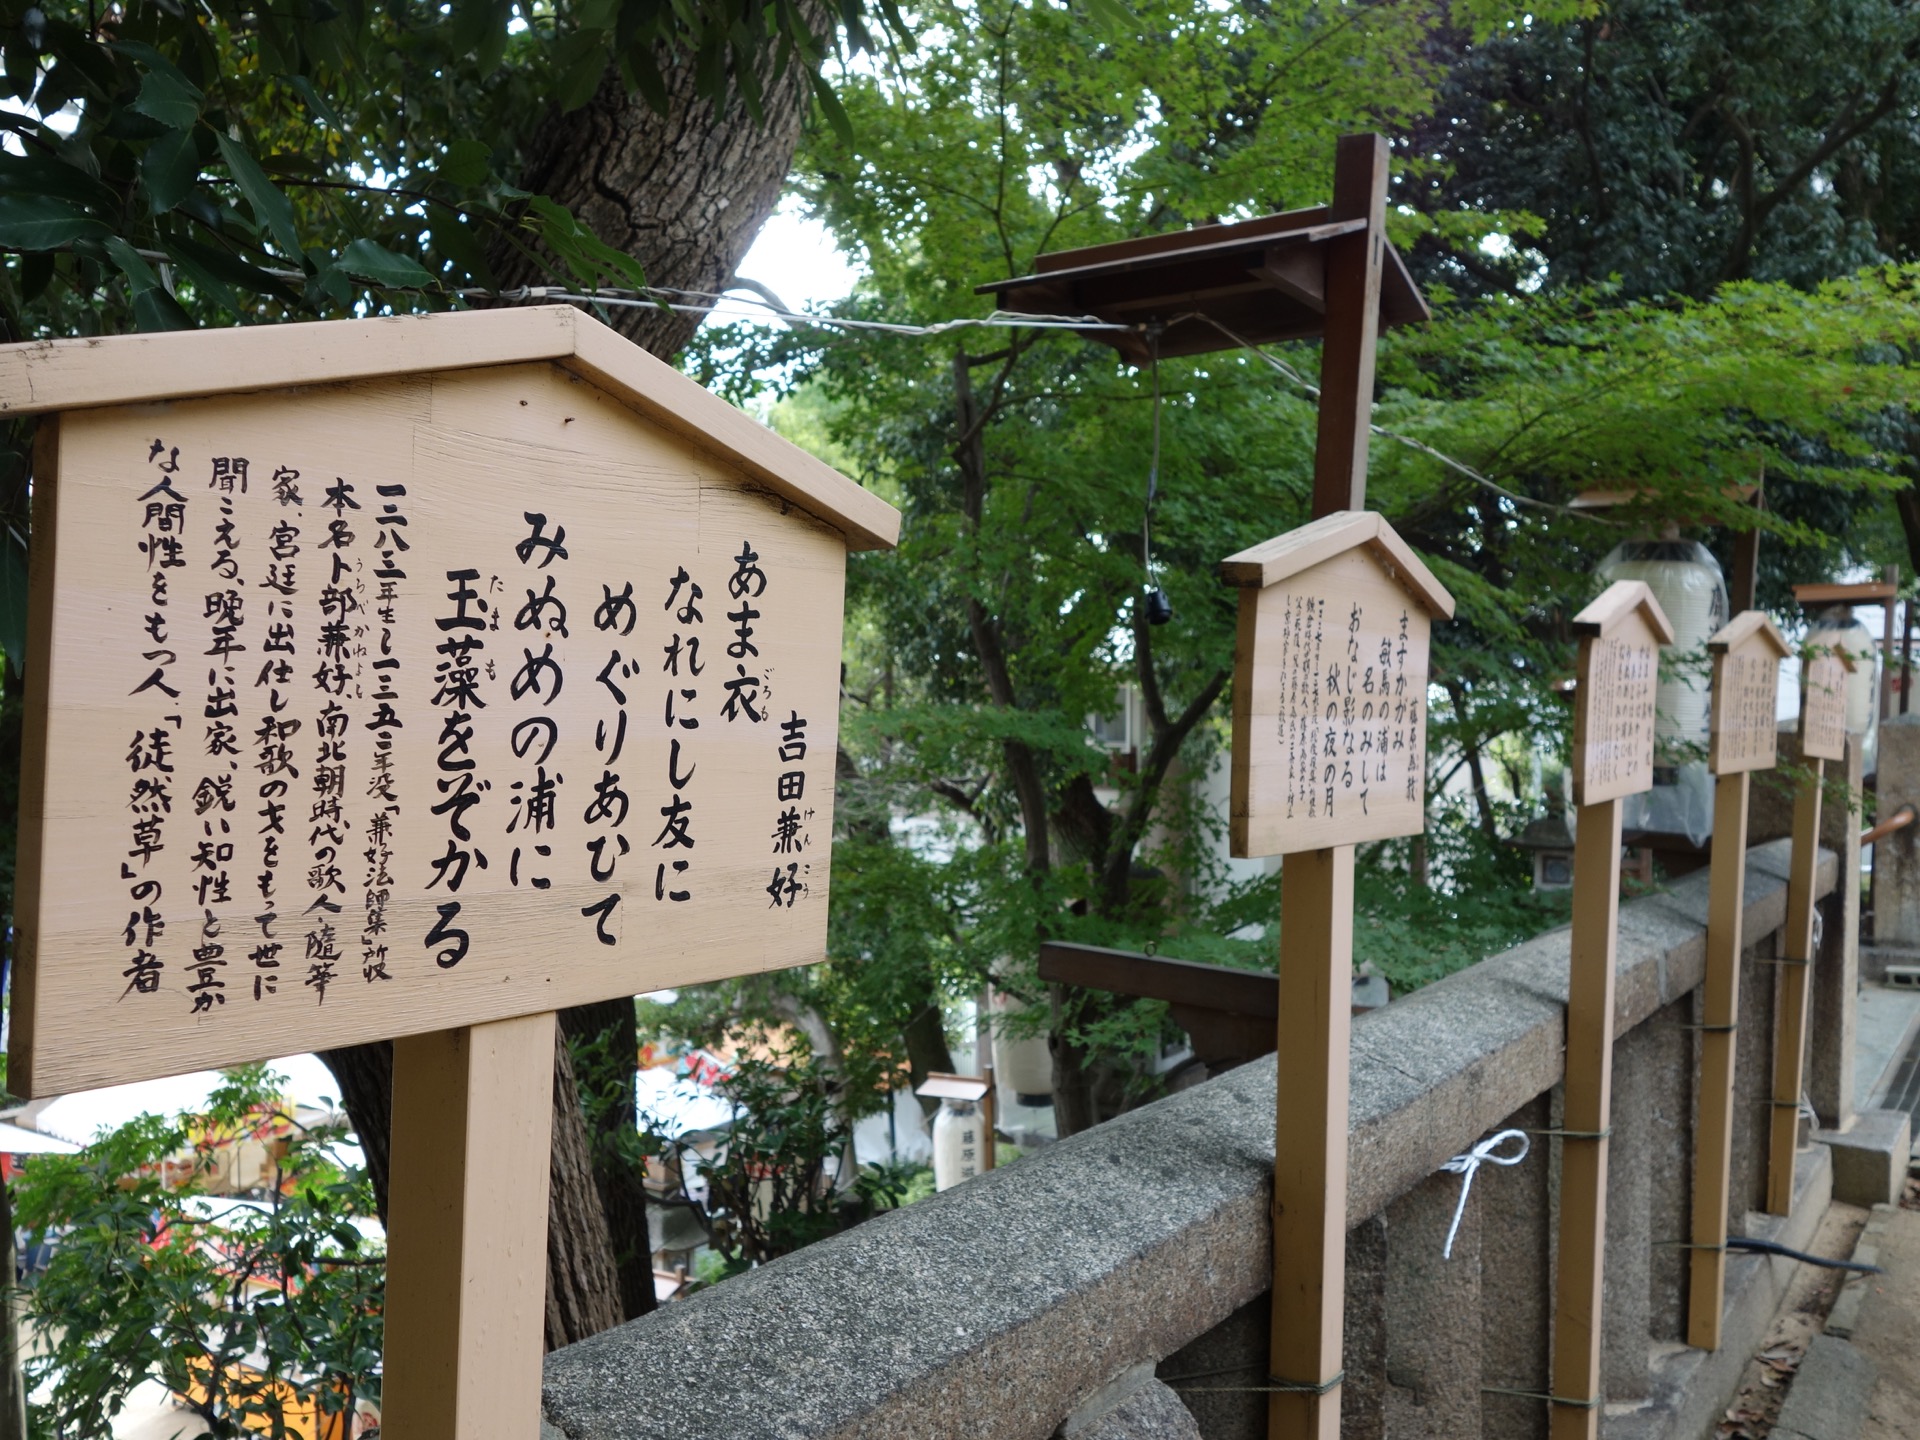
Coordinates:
1113	1285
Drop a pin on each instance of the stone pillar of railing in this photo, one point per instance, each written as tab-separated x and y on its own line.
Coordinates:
1753	1081
1627	1316
1433	1307
1516	1296
1667	1052
1836	971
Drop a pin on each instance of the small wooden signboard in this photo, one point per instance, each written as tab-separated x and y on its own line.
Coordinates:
1329	746
1823	737
1744	737
1620	637
1330	687
409	679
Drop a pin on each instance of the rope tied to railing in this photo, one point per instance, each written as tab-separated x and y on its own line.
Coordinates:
1466	1165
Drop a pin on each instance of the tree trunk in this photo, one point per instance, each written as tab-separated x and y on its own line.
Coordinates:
927	1050
583	1288
684	193
611	1043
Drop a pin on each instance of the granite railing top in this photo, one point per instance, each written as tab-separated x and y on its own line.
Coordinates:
992	1309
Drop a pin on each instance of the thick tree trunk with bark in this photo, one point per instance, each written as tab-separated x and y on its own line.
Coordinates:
685	193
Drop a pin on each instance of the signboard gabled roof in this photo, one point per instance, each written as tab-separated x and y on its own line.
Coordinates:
1745	626
40	376
1286	555
1618	601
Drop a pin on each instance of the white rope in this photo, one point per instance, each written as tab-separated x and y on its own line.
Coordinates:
1465	1165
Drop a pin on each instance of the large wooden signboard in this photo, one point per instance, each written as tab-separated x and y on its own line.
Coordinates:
1614	706
376	708
1330	687
1823	704
1744	737
409	679
1620	635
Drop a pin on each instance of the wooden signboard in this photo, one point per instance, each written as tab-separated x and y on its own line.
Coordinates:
1823	704
1329	746
409	679
1614	706
1620	635
1823	737
1330	687
1744	737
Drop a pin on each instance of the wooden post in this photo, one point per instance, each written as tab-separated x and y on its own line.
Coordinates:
1337	611
1354	264
467	1231
1589	1103
1310	1141
1892	577
1621	634
1744	737
1796	977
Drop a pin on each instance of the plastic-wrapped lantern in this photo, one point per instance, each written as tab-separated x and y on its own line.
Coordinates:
960	1132
1837	625
1022	1066
1688	583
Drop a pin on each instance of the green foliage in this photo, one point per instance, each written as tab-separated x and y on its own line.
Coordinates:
1675	146
280	1299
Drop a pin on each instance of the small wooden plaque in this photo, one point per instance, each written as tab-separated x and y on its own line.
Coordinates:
1330	687
1823	704
1746	678
1620	638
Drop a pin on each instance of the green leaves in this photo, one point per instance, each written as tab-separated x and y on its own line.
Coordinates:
44	222
170	167
271	209
374	263
166	96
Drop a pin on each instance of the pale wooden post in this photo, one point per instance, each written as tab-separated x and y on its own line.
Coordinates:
467	1230
463	607
1329	742
1743	738
1823	737
1621	635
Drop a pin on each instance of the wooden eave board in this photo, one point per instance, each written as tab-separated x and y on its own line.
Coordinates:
1282	223
45	376
1616	604
1749	627
941	1086
1867	592
1130	282
1272	561
474	449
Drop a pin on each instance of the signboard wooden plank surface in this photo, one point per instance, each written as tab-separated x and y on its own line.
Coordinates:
1621	635
1743	731
382	708
1330	688
1823	705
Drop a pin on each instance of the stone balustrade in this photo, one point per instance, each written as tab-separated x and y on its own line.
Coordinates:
1113	1286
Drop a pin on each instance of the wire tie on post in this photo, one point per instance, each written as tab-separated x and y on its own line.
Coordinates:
1688	1245
1710	1029
1593	1404
1274	1385
1576	1134
1465	1165
1779	960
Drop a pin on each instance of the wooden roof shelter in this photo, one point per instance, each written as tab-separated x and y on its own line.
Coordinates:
1264	279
